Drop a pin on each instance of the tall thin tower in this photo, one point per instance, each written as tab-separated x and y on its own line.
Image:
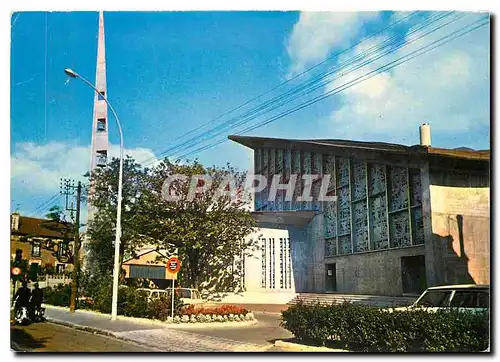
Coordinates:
99	150
99	147
100	122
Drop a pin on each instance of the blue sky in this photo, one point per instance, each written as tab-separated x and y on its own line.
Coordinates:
170	72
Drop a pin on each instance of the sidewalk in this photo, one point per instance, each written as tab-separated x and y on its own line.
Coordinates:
263	308
147	333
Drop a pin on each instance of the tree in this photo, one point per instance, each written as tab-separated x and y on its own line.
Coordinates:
208	233
103	196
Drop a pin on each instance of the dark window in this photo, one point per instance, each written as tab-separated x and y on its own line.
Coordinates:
102	94
102	157
435	298
149	272
483	300
60	268
35	251
35	267
469	299
184	293
101	124
62	249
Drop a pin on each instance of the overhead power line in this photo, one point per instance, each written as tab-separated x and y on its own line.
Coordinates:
44	204
440	42
308	70
351	65
392	44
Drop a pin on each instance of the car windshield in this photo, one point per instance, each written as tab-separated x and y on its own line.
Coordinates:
434	298
184	293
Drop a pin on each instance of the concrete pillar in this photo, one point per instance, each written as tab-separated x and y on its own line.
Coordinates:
431	249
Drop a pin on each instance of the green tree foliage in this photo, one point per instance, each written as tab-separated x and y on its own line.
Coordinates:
101	229
207	233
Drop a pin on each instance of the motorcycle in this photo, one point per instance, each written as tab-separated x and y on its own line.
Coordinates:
23	316
38	314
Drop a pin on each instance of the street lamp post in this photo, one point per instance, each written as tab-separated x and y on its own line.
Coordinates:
116	269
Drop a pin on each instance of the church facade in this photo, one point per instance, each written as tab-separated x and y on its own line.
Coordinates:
403	218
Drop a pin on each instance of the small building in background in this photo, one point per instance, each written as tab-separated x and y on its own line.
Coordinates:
148	266
46	244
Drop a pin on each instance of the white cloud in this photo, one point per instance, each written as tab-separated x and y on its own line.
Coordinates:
448	87
36	169
316	34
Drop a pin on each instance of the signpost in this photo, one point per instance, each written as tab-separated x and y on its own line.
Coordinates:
173	266
15	271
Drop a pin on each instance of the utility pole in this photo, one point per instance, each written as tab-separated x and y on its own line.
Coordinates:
68	189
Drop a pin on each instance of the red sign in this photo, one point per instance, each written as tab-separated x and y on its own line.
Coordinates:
173	265
16	271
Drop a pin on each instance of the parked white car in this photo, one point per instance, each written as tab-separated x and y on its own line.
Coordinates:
188	295
471	297
153	294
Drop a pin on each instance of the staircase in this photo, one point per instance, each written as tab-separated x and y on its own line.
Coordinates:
371	300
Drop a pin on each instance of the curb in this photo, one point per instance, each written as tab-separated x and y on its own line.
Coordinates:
210	325
155	322
304	348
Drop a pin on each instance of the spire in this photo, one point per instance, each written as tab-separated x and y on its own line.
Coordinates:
99	148
100	122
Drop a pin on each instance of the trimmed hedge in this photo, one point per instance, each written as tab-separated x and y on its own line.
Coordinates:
363	328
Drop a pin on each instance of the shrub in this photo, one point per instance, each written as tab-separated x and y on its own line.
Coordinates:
161	308
364	328
59	295
132	303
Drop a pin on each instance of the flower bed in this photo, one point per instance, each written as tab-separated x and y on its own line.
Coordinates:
224	313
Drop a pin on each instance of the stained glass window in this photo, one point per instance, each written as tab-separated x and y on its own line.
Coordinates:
263	283
400	229
330	247
360	226
378	223
398	188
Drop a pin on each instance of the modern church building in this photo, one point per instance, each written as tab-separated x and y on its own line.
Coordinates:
405	217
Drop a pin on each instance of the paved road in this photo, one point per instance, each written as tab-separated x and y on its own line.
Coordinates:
49	337
163	338
265	332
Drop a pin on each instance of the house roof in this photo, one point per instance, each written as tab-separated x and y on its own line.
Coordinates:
40	227
393	148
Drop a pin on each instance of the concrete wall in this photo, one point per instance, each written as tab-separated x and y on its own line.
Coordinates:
375	272
460	221
315	237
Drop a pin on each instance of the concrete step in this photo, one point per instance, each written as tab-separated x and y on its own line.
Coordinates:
380	301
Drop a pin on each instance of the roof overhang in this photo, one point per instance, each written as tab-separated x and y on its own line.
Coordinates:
371	149
296	218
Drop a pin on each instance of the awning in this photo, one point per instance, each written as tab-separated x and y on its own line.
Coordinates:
295	217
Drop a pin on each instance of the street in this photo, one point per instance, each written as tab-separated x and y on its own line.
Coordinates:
134	336
49	337
265	332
